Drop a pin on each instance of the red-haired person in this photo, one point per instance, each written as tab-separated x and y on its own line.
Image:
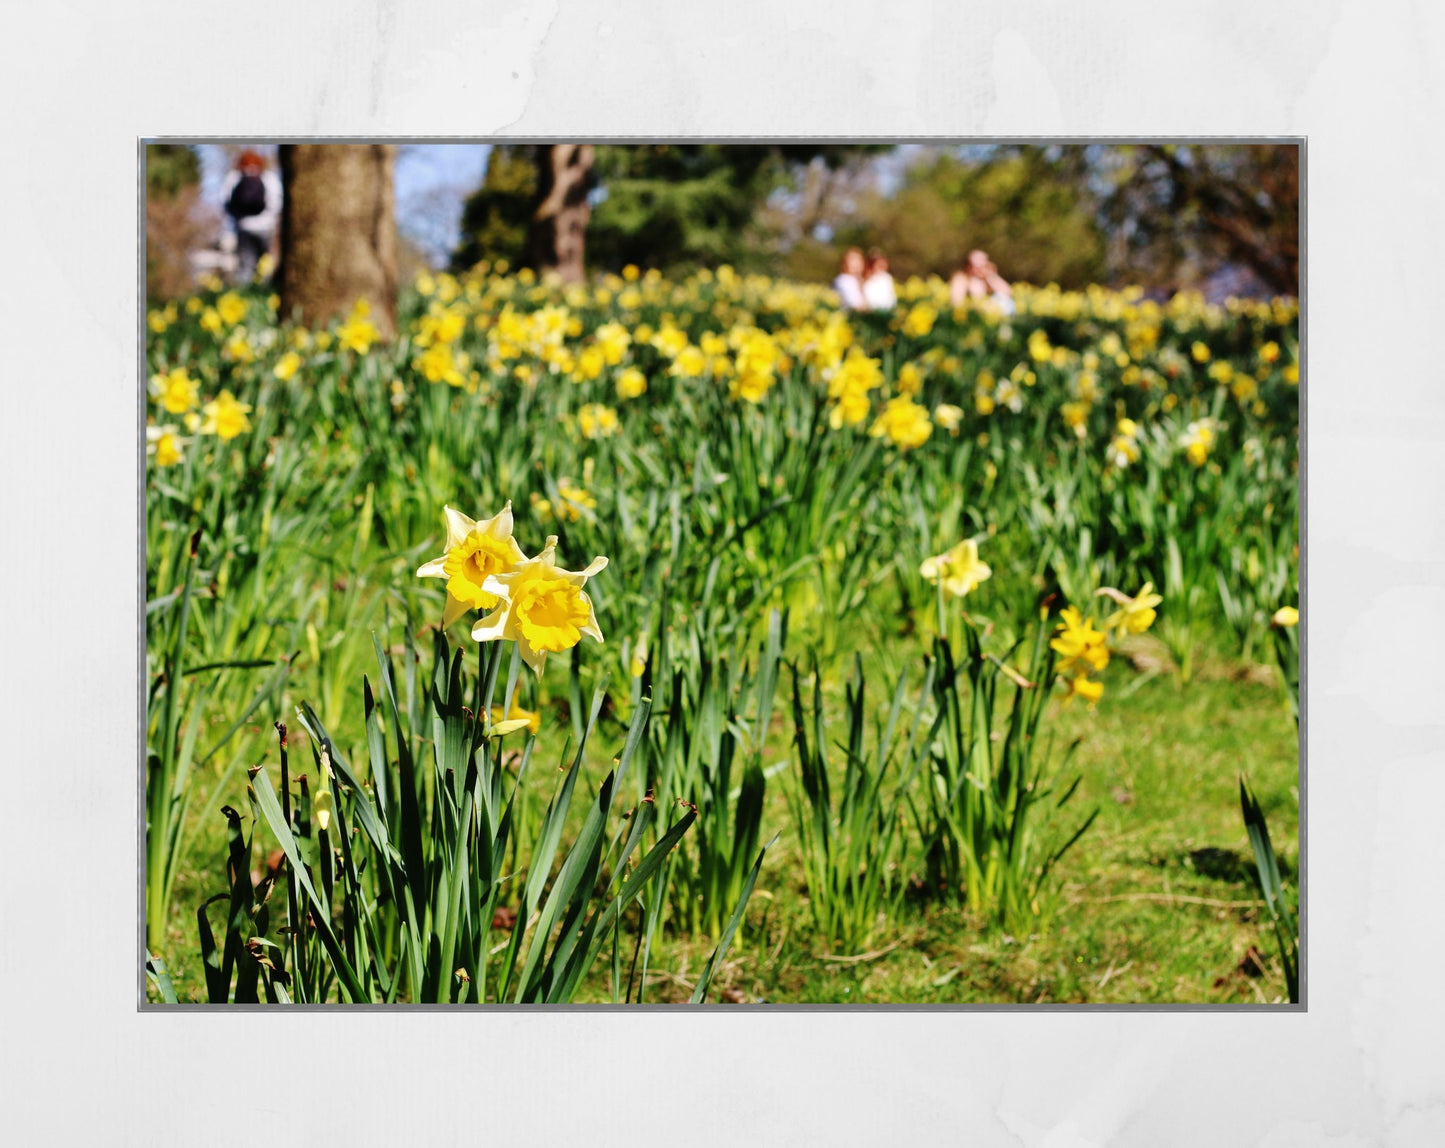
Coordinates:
252	195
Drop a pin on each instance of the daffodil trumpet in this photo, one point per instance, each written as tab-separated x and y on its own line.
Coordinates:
540	606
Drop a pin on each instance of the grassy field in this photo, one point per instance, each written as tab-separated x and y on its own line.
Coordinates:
934	510
1158	902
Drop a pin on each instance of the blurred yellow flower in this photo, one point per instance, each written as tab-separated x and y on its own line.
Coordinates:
1080	686
910	379
919	320
689	363
164	444
957	570
906	424
751	386
358	332
475	551
1285	616
613	340
1200	352
597	421
948	416
1039	349
225	416
238	349
1197	440
1075	417
1079	645
1136	614
541	607
287	366
516	718
231	308
631	383
175	391
1123	450
440	364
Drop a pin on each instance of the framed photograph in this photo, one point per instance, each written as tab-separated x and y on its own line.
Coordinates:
762	573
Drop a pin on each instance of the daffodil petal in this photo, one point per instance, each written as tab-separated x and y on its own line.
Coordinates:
455	609
492	627
533	657
458	526
436	568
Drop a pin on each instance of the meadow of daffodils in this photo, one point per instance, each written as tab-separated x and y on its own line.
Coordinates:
595	643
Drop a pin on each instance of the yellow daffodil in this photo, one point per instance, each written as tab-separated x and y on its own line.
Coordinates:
919	320
541	607
164	444
176	391
613	341
906	424
948	416
439	364
358	332
1123	450
958	570
231	308
1136	614
475	552
910	379
1197	440
1079	645
225	416
1080	686
751	386
1285	617
238	348
287	366
1075	416
689	363
597	421
631	383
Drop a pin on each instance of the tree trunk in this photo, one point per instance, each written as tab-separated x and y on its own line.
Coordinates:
338	232
559	226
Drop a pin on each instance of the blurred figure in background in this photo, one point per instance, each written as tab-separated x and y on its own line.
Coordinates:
879	293
849	283
978	278
252	195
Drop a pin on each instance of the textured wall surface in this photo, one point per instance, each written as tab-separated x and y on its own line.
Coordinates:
1364	1065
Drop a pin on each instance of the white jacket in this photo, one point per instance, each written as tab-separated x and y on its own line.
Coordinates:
264	223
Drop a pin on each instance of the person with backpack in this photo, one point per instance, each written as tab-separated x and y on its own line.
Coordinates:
252	197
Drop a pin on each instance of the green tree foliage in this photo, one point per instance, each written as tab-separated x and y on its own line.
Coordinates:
171	169
670	206
495	219
1028	208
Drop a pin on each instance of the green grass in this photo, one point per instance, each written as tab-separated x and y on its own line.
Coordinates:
1157	903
